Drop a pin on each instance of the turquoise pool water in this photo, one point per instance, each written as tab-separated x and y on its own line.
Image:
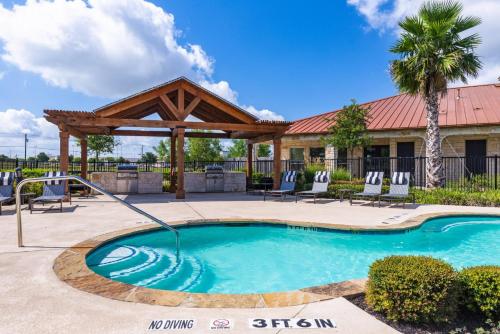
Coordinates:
255	258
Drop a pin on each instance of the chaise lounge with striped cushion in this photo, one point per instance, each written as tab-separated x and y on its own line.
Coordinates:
399	189
320	186
287	186
373	187
6	188
53	191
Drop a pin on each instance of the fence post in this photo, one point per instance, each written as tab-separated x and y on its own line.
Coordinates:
496	171
359	167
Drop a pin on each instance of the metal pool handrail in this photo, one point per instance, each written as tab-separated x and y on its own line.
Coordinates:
94	187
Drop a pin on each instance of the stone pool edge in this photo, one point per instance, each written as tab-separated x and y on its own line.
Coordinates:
71	267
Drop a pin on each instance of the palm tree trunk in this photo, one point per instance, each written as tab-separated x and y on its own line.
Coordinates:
434	162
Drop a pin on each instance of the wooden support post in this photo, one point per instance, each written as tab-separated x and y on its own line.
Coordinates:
63	151
249	162
180	193
172	164
277	162
83	157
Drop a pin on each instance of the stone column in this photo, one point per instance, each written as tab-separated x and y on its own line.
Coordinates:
180	193
277	163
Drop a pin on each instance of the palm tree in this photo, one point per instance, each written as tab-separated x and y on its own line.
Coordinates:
433	52
163	150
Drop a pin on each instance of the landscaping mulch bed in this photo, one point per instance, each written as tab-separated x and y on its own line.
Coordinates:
471	322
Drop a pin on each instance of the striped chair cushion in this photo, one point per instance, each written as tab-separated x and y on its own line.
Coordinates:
52	174
398	178
290	176
321	176
372	178
6	178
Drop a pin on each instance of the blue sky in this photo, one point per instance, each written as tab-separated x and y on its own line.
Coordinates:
279	60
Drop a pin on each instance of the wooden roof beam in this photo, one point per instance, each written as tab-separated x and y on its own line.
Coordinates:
136	100
167	103
219	104
118	122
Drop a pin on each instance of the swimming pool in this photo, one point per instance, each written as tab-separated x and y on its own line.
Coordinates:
258	257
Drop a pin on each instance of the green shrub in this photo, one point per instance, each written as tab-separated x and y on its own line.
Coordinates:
340	174
480	290
416	289
458	197
310	170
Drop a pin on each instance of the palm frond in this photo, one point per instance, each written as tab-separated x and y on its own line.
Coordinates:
432	51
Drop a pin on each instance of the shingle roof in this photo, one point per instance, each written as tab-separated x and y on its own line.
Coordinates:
462	106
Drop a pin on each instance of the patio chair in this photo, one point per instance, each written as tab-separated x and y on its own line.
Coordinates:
287	185
399	189
373	187
6	188
320	186
53	191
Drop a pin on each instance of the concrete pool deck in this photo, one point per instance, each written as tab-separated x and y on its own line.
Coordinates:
34	300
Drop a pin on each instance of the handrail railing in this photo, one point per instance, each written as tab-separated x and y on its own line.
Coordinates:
94	187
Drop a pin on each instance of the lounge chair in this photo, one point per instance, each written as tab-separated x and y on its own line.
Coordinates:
6	188
53	191
373	187
320	186
287	185
399	189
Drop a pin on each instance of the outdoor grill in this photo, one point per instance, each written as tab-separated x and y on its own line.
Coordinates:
215	178
127	179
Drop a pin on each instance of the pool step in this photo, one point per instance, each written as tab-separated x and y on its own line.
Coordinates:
185	276
145	266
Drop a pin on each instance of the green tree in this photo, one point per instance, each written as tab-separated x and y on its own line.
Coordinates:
100	144
349	129
42	157
264	151
148	157
203	149
434	50
3	157
238	149
121	160
163	149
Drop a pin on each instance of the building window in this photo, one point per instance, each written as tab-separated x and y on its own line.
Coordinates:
297	153
317	153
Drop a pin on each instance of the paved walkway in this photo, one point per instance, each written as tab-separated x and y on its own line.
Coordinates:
33	300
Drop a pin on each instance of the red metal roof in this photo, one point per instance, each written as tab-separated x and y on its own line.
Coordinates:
462	106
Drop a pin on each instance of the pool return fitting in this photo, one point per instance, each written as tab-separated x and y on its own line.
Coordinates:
94	187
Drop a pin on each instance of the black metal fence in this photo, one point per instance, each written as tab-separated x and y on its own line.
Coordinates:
477	173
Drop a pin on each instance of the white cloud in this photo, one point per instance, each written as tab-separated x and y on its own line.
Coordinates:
106	48
384	15
20	121
223	89
17	122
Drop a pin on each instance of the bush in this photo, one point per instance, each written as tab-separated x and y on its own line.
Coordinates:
310	170
340	174
480	290
415	289
458	197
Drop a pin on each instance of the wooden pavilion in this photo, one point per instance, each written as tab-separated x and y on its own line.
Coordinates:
173	101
